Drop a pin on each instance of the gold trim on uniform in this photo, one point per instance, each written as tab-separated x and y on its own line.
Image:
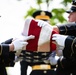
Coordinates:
1	50
28	57
42	13
42	17
61	62
36	60
41	67
28	53
36	56
28	60
72	46
44	54
65	29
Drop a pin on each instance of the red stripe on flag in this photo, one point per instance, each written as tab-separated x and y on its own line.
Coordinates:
33	30
53	45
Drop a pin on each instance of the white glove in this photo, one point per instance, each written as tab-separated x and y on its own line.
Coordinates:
18	46
42	23
53	58
60	40
21	42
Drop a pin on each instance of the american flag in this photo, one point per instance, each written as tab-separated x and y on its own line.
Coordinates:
43	35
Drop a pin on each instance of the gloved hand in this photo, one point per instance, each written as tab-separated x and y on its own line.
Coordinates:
19	43
60	40
42	23
53	58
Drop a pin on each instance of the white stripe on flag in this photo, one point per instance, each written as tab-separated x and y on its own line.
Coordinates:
26	26
44	39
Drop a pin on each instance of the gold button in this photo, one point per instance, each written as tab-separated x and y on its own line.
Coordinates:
45	71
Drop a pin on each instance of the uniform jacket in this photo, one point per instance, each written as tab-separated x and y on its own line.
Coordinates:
70	43
67	64
6	57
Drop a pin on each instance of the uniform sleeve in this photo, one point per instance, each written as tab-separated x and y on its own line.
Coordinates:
68	29
7	41
6	57
4	49
70	47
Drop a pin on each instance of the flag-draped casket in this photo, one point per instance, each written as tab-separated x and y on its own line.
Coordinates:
43	36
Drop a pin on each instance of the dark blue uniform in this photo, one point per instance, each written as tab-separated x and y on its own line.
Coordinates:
6	57
67	64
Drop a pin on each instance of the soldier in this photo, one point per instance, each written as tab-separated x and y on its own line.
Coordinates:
67	64
8	50
45	16
69	28
37	53
37	15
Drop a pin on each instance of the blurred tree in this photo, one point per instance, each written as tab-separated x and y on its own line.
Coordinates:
58	13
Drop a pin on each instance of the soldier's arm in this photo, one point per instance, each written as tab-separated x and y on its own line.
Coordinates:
66	29
6	46
65	43
7	57
7	41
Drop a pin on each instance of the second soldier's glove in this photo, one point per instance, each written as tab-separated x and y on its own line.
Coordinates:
53	58
60	40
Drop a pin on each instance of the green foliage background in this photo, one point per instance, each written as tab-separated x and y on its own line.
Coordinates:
57	12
